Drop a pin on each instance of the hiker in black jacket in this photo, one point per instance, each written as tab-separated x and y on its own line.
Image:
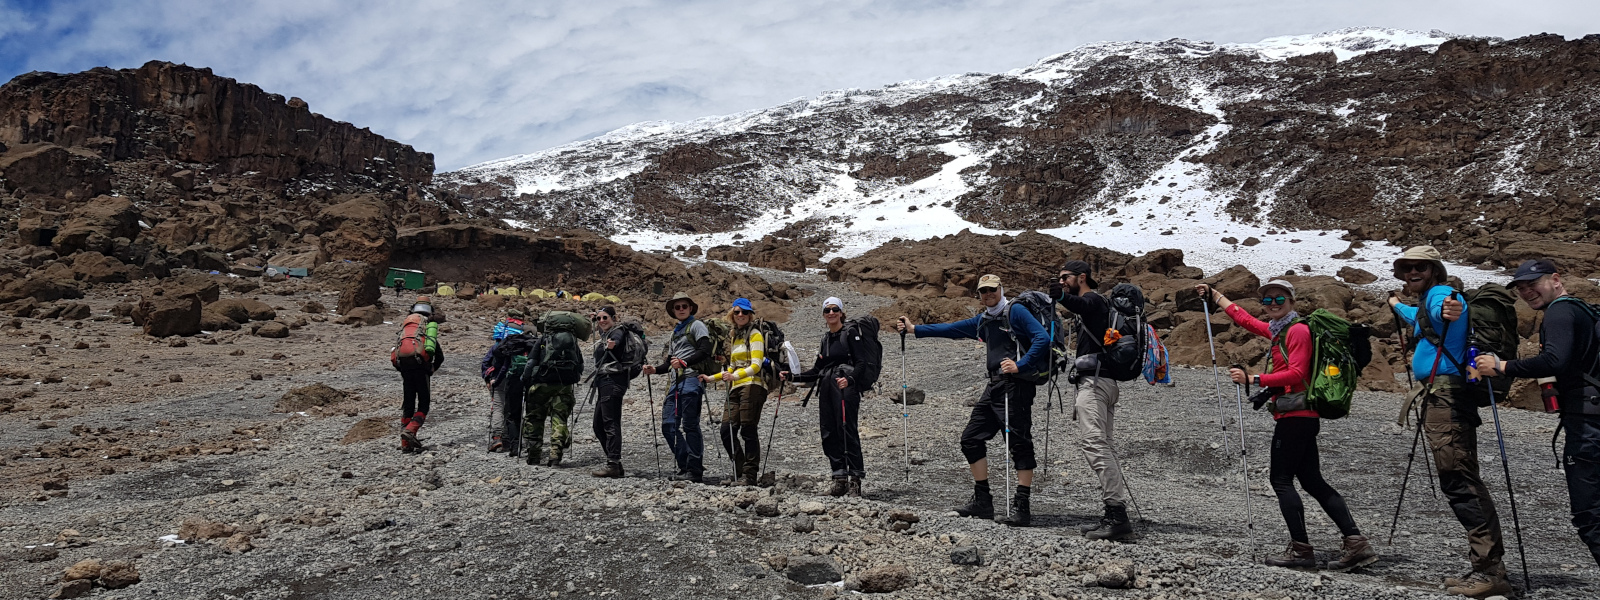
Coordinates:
1568	352
611	381
842	361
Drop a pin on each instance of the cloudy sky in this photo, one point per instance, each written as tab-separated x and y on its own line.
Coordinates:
473	81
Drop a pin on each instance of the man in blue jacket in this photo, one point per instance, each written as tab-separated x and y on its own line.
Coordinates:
1450	414
1016	342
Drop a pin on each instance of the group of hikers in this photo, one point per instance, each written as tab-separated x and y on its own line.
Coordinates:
532	374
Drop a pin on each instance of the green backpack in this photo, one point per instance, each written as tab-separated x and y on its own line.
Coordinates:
1491	327
721	331
1340	350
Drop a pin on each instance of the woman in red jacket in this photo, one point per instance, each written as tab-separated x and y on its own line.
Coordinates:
1294	437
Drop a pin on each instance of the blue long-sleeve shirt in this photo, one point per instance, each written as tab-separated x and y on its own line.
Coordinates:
1000	343
1455	339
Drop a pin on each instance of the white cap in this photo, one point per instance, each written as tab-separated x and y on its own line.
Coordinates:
834	301
1277	283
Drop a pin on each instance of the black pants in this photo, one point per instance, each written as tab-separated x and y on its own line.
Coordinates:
608	417
1582	462
989	419
414	385
1294	456
837	411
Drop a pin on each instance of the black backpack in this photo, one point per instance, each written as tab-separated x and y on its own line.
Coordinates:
555	359
1043	310
1591	375
1123	359
629	358
864	331
772	349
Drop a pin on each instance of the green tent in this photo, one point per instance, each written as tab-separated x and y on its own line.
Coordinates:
413	279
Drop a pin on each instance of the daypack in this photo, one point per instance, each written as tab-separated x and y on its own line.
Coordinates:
416	345
1591	375
508	326
1491	318
1123	345
864	329
633	353
1339	351
1043	310
557	357
511	355
1157	365
721	332
774	359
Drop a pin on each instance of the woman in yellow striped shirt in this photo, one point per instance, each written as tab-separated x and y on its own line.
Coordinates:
747	394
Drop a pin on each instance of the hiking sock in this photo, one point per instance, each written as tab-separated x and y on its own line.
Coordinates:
1024	491
981	487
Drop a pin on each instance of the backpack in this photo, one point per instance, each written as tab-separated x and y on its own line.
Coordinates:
864	329
1339	352
508	326
1043	310
413	348
635	351
1592	374
775	360
1157	365
556	357
1491	317
1123	347
511	354
721	332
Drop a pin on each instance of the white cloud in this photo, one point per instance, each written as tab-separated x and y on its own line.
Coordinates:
472	81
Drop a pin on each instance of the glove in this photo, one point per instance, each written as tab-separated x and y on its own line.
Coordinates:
1056	291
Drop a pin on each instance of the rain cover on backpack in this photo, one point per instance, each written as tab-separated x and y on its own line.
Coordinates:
412	349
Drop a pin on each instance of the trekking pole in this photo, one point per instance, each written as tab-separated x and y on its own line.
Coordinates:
1216	377
1427	458
1049	396
650	397
905	408
1406	479
1244	461
772	431
1516	524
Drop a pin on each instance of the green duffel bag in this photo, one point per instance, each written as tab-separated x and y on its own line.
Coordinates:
565	321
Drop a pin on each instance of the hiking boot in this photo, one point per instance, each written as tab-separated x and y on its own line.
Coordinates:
679	476
841	486
855	487
980	507
1357	553
1296	556
1113	526
496	445
554	462
533	456
748	480
1482	585
612	470
409	434
1021	516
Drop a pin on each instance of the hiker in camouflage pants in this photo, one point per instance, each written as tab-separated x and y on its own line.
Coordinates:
547	400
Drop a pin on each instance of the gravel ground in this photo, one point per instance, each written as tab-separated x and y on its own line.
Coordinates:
329	519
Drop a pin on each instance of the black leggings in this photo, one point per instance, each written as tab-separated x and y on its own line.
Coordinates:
414	383
608	417
1294	456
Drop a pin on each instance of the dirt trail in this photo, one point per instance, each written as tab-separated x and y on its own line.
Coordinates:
361	520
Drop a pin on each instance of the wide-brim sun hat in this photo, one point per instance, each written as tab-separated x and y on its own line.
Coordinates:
694	307
1427	254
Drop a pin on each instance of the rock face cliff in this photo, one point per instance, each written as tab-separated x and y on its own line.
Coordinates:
167	111
1480	146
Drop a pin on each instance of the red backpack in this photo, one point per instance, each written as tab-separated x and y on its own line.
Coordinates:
412	348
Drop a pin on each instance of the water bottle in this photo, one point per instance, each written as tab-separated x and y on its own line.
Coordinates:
1472	362
1547	391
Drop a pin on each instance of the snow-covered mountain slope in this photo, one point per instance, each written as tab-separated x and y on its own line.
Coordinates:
1471	144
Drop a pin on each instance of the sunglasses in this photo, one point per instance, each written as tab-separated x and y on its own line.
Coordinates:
603	318
988	290
1407	268
832	309
1064	277
740	311
1271	300
680	307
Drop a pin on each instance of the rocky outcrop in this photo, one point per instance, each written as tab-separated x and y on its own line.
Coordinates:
164	110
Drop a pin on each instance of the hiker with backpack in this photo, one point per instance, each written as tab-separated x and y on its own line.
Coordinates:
619	353
747	392
1450	413
501	369
1100	327
1017	345
1569	352
1296	424
848	362
417	354
689	352
555	364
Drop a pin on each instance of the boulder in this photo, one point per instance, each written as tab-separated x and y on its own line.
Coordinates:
357	229
51	170
1235	282
118	574
1354	276
207	288
357	283
94	267
195	529
94	225
1570	257
40	288
313	307
365	315
211	320
886	578
88	568
273	329
76	588
1116	574
231	308
166	315
812	570
966	555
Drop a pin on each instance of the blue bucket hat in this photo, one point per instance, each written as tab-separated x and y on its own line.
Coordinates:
744	303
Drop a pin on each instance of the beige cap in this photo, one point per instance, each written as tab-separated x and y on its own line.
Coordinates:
990	280
1277	283
1423	254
